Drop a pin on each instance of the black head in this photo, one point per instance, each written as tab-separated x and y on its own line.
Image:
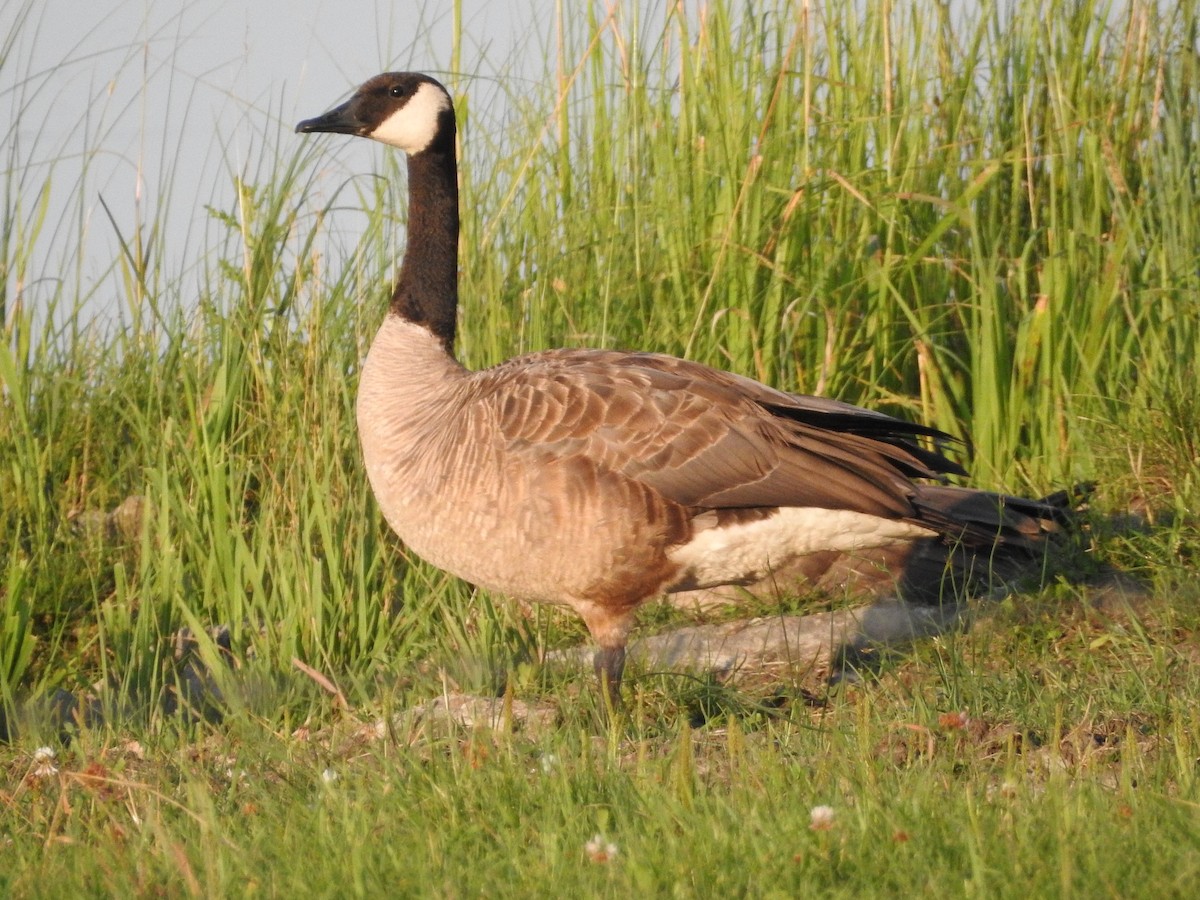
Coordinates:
404	109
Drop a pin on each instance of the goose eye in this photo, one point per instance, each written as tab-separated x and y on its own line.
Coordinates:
397	90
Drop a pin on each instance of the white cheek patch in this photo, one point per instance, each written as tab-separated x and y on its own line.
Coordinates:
413	127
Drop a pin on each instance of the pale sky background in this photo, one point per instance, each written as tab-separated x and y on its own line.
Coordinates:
179	94
154	106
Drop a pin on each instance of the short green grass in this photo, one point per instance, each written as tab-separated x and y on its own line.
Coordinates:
982	221
1052	752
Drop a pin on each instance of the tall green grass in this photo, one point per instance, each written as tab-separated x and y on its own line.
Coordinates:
991	230
984	221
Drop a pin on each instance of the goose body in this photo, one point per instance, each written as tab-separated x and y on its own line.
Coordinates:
598	479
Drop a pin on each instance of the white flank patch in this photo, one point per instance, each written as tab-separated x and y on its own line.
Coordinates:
413	126
745	553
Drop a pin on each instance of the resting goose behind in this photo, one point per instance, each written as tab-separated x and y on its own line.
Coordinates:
599	479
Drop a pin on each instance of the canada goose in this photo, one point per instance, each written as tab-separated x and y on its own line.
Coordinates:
598	479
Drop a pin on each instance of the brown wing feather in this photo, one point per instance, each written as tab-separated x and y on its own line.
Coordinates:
705	438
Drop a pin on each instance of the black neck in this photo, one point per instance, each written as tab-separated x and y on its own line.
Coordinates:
427	290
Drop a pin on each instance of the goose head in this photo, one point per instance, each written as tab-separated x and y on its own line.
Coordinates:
406	110
414	113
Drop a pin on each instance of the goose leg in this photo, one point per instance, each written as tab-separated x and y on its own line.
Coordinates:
609	663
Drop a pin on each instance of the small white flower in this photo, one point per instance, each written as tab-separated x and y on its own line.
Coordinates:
821	818
134	749
599	850
549	763
43	761
329	776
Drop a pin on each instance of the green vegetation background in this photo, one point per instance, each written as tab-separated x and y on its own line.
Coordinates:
985	222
